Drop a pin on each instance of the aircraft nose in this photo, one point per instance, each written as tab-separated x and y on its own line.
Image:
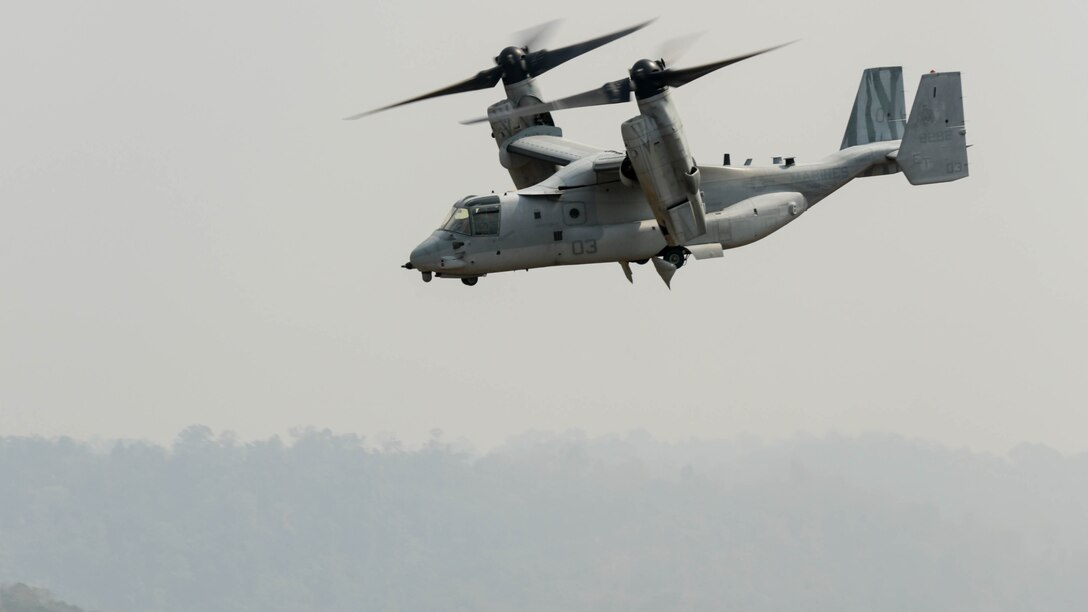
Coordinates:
424	255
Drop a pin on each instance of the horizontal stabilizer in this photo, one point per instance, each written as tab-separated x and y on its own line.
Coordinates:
934	148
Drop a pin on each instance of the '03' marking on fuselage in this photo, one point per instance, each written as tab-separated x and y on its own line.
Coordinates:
583	247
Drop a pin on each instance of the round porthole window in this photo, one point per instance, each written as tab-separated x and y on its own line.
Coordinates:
575	213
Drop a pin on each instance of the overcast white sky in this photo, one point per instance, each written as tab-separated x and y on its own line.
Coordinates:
190	234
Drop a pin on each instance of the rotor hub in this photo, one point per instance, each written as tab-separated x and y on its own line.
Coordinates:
514	66
646	75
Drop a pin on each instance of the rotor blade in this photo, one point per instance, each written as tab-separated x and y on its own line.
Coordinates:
542	61
534	37
676	78
609	93
485	79
674	49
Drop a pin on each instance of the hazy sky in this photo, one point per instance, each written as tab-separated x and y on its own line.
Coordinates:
190	234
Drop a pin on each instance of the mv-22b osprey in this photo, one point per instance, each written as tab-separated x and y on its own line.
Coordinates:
577	204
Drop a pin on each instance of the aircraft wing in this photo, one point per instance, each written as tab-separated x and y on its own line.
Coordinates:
552	149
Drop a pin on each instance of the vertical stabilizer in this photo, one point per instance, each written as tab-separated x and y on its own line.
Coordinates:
934	148
880	110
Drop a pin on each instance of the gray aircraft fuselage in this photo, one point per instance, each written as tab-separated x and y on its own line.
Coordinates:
582	216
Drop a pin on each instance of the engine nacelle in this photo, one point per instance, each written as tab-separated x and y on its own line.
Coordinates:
662	162
523	170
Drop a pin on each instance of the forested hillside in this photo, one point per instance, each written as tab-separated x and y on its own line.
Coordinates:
24	598
548	522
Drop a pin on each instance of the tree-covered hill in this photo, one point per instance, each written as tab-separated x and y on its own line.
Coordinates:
23	598
548	522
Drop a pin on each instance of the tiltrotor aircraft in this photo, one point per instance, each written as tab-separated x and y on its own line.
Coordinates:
577	204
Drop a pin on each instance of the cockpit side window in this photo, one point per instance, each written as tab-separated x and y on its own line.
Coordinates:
485	220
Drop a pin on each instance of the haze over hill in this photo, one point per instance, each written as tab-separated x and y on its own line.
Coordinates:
24	598
547	522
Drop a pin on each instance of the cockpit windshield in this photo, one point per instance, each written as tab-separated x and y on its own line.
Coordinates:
475	216
458	221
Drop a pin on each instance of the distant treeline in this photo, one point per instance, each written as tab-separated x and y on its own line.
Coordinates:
23	598
548	522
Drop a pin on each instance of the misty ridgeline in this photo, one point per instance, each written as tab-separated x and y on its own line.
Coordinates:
547	522
23	598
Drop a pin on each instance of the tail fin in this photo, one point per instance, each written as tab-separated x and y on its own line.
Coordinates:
879	108
934	148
